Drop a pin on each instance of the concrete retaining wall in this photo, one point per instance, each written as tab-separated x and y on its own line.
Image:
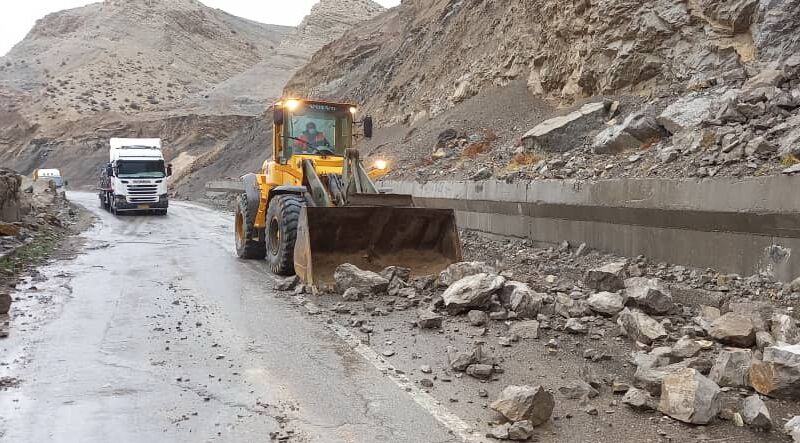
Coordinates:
742	226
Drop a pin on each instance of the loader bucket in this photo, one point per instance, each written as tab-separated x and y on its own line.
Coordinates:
372	238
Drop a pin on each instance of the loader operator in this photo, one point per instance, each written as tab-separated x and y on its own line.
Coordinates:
311	139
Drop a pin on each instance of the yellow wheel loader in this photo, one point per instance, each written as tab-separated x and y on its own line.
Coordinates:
315	206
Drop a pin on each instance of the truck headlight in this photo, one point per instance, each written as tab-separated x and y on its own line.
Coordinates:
380	164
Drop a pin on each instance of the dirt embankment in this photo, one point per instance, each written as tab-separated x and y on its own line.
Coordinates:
37	223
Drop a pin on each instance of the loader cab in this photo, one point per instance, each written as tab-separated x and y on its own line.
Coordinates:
304	127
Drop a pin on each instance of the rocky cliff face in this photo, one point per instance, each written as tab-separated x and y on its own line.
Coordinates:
174	69
428	55
459	84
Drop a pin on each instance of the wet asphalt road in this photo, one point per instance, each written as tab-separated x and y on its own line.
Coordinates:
158	333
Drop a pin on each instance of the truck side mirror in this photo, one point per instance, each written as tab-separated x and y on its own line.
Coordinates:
169	170
368	127
277	116
109	170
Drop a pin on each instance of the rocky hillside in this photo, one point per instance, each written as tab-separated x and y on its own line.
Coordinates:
174	69
433	65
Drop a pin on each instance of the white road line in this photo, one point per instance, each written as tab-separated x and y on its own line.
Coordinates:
451	421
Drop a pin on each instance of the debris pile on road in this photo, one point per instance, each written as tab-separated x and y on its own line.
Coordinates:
696	345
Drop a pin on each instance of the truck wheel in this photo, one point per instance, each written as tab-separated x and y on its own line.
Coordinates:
283	215
246	247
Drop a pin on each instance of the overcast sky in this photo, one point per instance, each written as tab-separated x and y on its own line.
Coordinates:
18	16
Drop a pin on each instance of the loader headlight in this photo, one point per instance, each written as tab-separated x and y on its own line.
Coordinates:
380	164
292	105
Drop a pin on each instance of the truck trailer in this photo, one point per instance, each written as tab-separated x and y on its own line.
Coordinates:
136	177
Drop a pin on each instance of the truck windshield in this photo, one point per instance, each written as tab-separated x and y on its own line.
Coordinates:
318	130
141	169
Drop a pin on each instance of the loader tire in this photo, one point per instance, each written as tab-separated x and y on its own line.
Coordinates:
245	232
283	215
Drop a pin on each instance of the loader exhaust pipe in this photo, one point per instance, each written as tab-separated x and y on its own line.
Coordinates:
372	238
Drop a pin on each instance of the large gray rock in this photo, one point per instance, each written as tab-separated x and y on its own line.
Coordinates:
755	413
606	303
367	282
778	375
731	367
637	129
792	428
520	431
460	361
559	134
429	320
577	390
457	271
688	396
609	277
639	400
734	329
650	378
568	307
518	403
784	329
640	327
471	292
477	317
686	113
528	329
650	295
685	348
521	299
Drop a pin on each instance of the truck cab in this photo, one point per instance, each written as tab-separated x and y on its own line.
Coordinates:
136	177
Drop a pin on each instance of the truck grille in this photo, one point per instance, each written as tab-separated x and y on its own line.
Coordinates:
142	193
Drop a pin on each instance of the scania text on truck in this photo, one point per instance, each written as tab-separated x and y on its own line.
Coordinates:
136	177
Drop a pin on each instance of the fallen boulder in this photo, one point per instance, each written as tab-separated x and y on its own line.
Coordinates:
609	277
429	320
606	303
792	428
558	134
639	400
637	129
457	271
528	329
470	292
460	361
650	378
688	396
350	276
784	329
640	327
778	375
734	329
577	390
731	367
520	431
519	403
686	113
521	299
648	294
477	318
755	413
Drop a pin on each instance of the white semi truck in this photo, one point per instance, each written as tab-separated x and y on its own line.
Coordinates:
135	179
